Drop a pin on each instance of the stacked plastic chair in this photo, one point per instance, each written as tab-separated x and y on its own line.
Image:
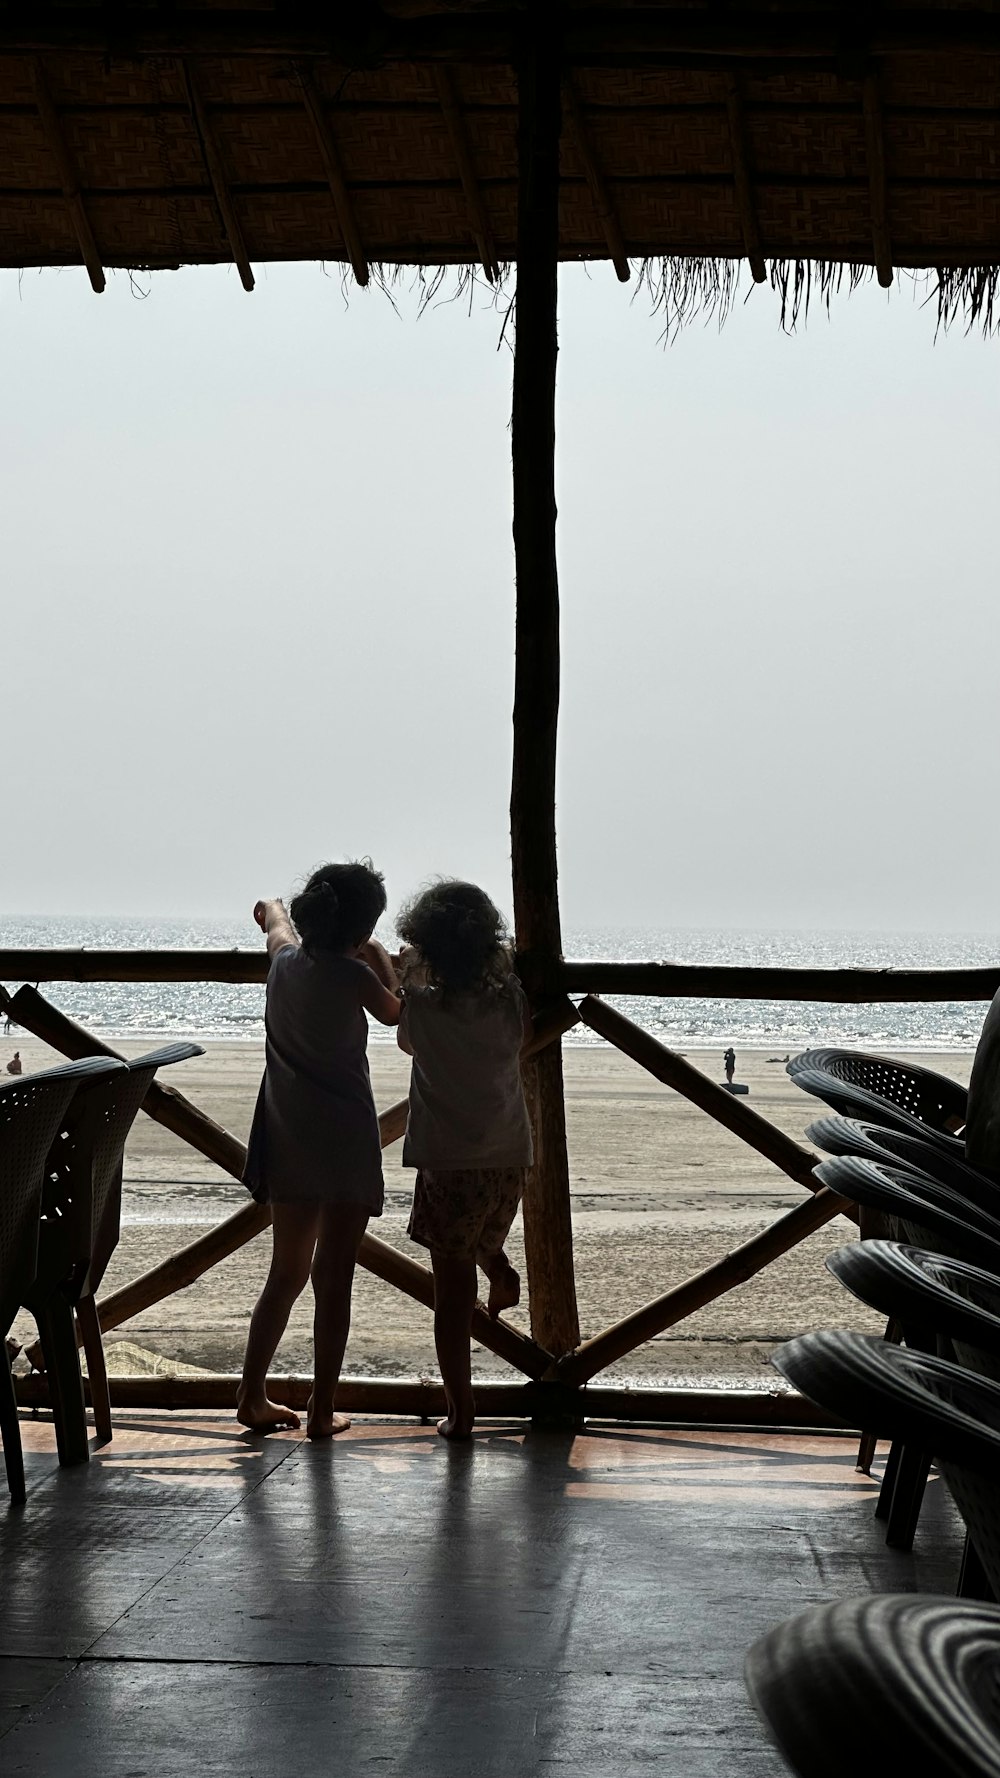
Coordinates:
33	1109
888	1683
78	1232
897	1155
908	1682
894	1094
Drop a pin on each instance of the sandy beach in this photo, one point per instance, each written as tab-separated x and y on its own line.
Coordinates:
659	1191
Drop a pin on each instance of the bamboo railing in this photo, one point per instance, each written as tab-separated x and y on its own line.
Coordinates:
559	1382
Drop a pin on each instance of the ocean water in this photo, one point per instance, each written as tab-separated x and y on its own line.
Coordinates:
217	1011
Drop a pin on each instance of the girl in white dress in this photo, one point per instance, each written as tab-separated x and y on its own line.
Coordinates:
464	1021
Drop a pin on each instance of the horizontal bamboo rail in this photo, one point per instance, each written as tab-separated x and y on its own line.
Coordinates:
674	1071
705	1287
848	987
677	981
51	965
424	1400
172	1109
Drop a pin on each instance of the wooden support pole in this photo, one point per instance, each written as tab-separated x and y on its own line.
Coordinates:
548	1234
333	167
454	119
217	178
600	190
675	1305
674	1071
69	178
424	1400
877	185
746	204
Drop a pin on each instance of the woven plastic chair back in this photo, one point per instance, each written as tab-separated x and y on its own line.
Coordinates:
927	1213
836	1134
885	1092
83	1190
32	1108
885	1683
937	1406
940	1297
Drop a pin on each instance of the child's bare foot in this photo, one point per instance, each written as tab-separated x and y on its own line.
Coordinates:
319	1426
505	1291
454	1428
261	1415
460	1418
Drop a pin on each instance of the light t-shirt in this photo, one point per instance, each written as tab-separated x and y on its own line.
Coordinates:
467	1106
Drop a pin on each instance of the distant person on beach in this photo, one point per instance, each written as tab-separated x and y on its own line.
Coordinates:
314	1153
729	1063
464	1022
14	1065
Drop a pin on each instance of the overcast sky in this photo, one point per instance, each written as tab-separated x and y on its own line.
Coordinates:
258	602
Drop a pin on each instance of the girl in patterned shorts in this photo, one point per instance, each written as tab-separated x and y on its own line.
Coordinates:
464	1021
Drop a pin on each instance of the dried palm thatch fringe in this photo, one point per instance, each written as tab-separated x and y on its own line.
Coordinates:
685	290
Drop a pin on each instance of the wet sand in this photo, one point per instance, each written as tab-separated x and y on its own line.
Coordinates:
659	1192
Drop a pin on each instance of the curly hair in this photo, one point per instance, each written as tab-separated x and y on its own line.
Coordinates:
340	906
461	937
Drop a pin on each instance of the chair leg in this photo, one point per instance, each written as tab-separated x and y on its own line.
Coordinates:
10	1430
907	1498
866	1452
62	1367
893	1333
97	1373
973	1581
884	1503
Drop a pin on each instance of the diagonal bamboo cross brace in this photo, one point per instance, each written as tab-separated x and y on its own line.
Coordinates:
170	1108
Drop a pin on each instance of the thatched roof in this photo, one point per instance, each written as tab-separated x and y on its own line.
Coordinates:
803	138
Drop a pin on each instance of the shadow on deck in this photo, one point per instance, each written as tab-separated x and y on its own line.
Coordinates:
196	1600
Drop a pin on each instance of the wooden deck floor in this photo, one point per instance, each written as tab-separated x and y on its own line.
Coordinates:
197	1601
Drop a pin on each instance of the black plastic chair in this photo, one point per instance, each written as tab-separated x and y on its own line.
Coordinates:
924	1213
926	1402
886	1092
836	1134
78	1233
32	1109
885	1683
945	1298
928	1213
945	1303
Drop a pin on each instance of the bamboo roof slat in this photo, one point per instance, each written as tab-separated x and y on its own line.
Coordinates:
746	202
330	155
604	203
878	193
219	178
696	136
55	138
462	149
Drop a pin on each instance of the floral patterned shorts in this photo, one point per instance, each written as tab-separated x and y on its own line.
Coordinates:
464	1212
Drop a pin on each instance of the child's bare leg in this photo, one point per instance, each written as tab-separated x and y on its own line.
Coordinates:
294	1228
341	1229
505	1282
454	1301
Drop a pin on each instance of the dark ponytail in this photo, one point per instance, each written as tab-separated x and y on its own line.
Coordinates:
340	906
